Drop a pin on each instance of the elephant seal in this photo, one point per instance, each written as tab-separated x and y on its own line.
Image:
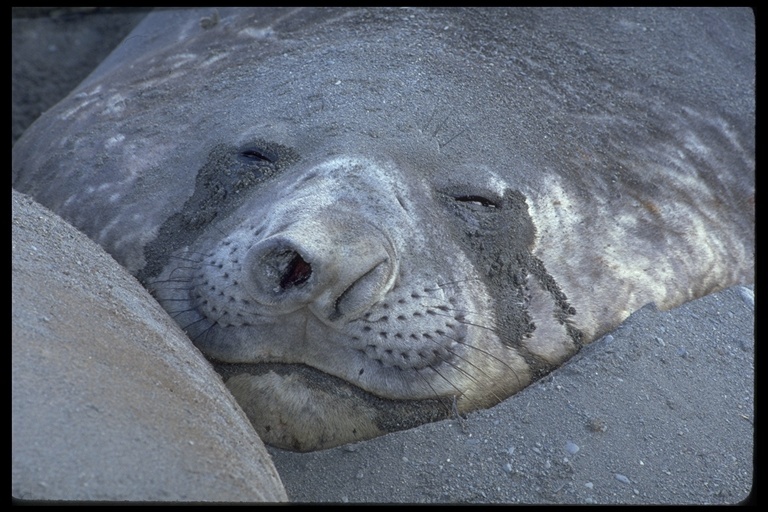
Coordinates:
373	218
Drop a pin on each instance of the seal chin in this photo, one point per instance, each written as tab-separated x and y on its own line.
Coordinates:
296	407
289	412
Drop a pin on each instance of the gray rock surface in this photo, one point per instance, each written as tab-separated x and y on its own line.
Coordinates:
110	400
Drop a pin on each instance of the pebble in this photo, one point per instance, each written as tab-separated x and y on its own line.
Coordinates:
571	448
747	295
621	478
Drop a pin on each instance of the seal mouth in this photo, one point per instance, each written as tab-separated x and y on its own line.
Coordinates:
320	379
348	303
390	333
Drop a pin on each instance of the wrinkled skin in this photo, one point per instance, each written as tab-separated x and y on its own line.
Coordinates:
370	219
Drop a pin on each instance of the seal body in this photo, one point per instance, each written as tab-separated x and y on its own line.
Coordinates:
370	219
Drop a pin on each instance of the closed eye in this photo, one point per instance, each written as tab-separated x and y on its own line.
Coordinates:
257	154
477	200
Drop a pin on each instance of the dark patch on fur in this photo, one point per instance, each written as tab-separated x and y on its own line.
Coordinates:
220	188
498	236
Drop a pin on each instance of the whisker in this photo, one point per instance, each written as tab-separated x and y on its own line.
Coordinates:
489	355
458	134
175	289
198	260
439	126
189	310
182	267
208	329
187	326
454	353
466	322
174	280
444	308
190	260
198	253
440	286
434	391
467	360
460	392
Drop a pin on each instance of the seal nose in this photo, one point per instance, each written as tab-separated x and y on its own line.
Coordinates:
335	267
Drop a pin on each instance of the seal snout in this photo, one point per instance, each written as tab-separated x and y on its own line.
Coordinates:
336	268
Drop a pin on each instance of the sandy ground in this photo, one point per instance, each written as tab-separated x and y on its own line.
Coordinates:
660	411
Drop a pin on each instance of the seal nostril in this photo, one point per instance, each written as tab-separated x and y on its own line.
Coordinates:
297	272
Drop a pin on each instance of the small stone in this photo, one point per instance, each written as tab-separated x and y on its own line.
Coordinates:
571	448
621	478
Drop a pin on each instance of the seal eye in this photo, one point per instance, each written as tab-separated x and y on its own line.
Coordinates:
258	154
477	200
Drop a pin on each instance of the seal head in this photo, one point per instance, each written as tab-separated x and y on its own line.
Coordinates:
334	267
